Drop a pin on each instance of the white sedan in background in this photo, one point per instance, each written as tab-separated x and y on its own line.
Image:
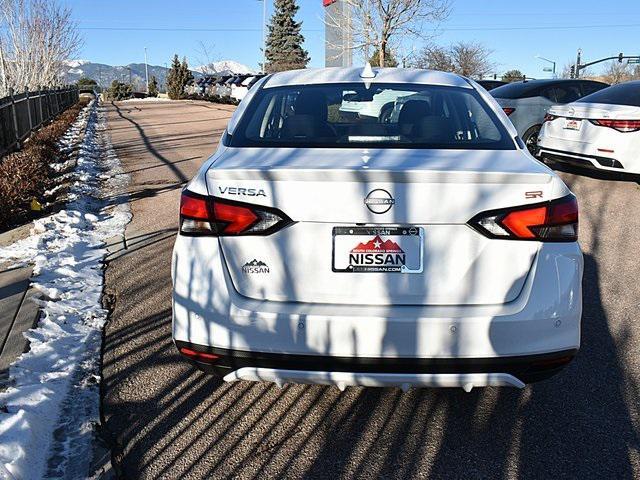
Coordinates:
424	249
600	131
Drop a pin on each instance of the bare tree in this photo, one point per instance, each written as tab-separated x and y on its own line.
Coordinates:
569	65
434	58
206	58
36	37
617	72
380	25
470	59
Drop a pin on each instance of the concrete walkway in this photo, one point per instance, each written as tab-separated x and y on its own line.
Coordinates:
18	311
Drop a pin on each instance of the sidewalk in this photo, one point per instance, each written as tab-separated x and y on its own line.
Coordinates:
18	311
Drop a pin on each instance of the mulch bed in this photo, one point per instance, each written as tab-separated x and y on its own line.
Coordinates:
26	175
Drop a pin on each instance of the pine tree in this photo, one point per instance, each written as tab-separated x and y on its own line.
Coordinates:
178	77
174	81
153	87
186	75
284	42
389	59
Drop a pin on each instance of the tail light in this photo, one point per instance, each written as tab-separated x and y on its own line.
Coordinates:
508	110
549	118
204	215
198	356
623	126
554	221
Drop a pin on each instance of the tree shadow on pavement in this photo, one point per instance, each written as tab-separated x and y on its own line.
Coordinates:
168	420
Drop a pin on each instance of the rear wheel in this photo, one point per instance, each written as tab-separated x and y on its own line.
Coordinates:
530	139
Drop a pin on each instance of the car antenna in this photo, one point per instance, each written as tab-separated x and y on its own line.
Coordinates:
367	74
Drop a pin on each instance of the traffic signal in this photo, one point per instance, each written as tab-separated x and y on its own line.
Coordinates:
620	58
573	71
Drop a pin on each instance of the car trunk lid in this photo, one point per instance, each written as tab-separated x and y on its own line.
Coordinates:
433	194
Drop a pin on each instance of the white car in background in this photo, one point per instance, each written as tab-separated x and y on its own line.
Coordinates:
600	131
428	249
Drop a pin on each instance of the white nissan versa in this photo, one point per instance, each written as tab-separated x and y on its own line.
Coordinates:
423	248
600	131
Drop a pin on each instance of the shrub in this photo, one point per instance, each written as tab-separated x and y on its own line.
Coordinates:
26	174
119	91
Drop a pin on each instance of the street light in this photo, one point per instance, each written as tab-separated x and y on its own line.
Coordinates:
550	61
146	69
264	34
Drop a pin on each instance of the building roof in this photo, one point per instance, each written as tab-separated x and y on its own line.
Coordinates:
314	76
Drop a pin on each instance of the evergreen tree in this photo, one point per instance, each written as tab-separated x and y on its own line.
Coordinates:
86	82
153	87
513	76
284	42
119	90
174	86
178	77
389	59
186	75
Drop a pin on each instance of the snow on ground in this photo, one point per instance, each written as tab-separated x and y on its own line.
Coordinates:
147	99
48	414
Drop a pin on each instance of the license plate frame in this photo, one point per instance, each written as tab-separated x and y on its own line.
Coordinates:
411	237
574	124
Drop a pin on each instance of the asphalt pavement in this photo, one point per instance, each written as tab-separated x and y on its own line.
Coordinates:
165	419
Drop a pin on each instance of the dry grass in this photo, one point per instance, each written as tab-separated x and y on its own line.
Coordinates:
25	175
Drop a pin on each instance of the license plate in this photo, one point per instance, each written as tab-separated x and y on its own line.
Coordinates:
572	124
378	249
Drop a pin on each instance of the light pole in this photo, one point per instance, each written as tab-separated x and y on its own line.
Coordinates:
146	69
550	61
264	34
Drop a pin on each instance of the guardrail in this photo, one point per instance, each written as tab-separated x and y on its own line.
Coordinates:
21	114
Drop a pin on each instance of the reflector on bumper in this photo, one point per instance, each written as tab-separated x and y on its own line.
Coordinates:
365	379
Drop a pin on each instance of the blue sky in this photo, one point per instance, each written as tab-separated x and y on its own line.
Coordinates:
116	32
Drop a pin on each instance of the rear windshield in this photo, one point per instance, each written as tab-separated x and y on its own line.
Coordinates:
622	94
517	90
383	116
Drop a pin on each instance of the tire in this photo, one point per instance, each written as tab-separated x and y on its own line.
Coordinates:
385	113
530	139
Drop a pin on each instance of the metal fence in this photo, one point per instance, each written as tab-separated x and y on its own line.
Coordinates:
21	114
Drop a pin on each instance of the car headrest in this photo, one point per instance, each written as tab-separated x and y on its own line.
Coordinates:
309	102
434	129
413	111
301	127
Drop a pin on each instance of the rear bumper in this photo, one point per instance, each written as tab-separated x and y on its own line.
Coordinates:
467	381
545	317
581	160
281	368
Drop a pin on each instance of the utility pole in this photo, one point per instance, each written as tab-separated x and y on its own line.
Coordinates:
146	69
264	35
578	63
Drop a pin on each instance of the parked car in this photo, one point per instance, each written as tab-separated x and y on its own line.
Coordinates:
220	87
491	84
255	79
527	102
600	131
430	250
238	89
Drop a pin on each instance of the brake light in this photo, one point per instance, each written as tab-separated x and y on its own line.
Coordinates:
198	356
204	215
237	219
554	221
508	110
624	126
549	118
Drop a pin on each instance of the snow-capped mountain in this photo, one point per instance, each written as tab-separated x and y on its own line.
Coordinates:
105	74
224	66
